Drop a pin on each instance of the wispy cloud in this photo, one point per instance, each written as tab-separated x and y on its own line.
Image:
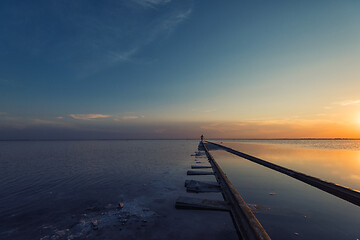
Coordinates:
165	25
348	102
151	3
122	56
131	117
170	23
88	116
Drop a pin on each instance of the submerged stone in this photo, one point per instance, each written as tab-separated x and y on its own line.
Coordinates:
95	224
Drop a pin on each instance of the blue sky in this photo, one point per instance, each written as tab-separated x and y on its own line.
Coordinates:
176	69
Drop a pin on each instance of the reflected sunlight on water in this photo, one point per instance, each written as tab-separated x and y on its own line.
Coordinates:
286	207
325	159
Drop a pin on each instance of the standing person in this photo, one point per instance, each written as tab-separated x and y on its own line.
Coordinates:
202	137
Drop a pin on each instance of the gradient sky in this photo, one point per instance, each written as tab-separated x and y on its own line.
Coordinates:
179	69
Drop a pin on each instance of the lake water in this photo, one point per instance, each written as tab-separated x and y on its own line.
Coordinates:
286	207
58	189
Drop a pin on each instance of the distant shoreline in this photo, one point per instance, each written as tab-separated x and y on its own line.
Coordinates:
177	139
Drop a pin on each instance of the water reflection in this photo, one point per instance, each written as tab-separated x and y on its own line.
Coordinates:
341	166
56	189
286	207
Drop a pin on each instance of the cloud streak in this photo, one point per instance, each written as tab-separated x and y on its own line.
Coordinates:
151	3
165	25
348	102
129	117
88	116
122	56
174	20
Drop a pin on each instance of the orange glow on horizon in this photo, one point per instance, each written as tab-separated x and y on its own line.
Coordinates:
282	129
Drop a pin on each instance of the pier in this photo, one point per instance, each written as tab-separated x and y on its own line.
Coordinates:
246	224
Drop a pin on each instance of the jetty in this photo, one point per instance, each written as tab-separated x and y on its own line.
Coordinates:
246	224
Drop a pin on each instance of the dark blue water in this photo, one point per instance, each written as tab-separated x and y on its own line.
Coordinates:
56	189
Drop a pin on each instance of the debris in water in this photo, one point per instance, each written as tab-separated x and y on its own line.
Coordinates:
257	208
95	224
121	205
272	193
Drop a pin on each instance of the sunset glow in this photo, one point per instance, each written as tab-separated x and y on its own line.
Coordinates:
258	70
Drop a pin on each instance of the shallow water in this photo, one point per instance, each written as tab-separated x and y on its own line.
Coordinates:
332	160
286	207
56	189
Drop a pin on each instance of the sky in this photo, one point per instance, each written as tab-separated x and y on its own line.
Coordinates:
168	69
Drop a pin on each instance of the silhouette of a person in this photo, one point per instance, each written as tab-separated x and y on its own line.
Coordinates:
202	137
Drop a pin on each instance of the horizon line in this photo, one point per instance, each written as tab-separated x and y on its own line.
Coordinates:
134	139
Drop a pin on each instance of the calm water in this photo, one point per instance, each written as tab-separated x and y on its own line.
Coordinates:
56	189
290	209
333	160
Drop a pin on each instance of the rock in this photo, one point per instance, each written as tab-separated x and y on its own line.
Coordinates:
95	224
123	221
121	205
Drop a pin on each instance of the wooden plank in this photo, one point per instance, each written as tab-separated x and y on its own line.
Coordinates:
188	182
195	166
343	192
202	204
192	172
198	186
205	183
245	222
